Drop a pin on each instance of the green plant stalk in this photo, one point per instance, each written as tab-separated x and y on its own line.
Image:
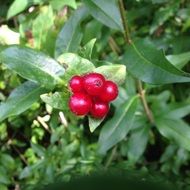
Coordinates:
124	22
139	83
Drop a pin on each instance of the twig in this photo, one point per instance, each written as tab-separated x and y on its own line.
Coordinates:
63	119
44	124
20	155
139	83
114	46
124	21
144	102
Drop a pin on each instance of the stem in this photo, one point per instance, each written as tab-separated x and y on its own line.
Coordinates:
144	102
111	157
124	21
139	83
114	46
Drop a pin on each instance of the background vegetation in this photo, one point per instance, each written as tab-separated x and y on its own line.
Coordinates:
148	127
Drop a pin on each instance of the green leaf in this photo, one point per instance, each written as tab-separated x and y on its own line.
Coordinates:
179	60
175	130
20	5
118	127
33	65
176	110
137	143
75	64
57	4
116	73
106	12
162	15
4	178
94	123
58	100
70	36
43	22
38	149
86	51
20	99
148	64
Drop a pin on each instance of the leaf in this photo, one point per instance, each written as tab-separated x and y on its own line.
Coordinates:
137	143
38	149
106	12
42	23
58	100
179	60
175	130
148	64
162	15
57	4
117	127
20	99
70	35
75	64
94	123
20	5
176	110
33	65
86	51
116	73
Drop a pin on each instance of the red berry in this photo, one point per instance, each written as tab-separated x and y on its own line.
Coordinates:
94	83
80	103
76	84
110	92
99	109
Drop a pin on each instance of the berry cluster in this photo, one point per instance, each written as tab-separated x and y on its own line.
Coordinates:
91	94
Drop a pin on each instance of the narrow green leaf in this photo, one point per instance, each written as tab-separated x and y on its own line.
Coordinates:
70	36
75	64
148	64
86	51
33	65
94	123
106	12
117	128
116	73
176	131
20	99
20	5
162	15
137	143
179	60
42	23
58	100
38	149
176	110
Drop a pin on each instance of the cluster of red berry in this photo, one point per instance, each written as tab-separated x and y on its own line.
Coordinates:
91	94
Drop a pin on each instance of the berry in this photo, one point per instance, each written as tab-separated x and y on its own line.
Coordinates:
80	103
99	109
110	92
93	83
76	84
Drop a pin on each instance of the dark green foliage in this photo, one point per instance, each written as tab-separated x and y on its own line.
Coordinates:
43	43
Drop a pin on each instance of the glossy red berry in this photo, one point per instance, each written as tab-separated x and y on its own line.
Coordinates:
93	83
76	84
80	103
99	109
110	92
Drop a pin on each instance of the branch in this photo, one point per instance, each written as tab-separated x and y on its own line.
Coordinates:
139	83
